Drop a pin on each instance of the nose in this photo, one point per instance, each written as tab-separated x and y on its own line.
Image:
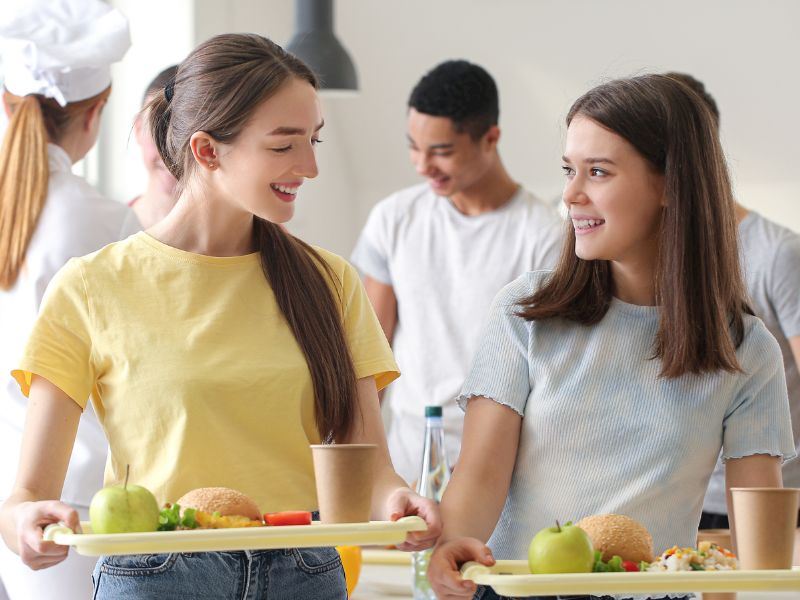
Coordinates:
422	163
307	167
574	192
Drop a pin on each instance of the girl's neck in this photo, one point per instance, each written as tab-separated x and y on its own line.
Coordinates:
634	279
72	146
201	225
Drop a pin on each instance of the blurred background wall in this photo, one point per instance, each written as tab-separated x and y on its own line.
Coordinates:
543	54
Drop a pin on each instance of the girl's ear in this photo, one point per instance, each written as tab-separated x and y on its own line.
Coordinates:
204	150
92	116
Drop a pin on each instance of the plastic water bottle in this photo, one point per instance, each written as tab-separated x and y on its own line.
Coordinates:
432	481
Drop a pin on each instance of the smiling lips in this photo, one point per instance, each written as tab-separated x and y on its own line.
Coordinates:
439	182
584	225
284	191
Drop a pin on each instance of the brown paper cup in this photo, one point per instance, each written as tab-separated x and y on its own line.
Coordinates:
721	537
765	520
344	474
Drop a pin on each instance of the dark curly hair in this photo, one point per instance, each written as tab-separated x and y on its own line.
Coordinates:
460	91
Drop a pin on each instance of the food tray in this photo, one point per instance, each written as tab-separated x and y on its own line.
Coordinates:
375	556
242	538
513	578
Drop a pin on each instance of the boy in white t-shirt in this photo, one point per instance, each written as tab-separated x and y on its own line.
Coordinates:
770	256
434	255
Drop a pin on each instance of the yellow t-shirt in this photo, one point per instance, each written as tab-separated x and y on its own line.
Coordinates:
194	373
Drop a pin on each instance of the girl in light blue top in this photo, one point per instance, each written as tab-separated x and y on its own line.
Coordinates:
610	384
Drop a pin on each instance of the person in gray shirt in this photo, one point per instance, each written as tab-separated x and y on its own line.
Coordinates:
770	257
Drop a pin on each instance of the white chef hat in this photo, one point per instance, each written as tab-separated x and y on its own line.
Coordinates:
61	49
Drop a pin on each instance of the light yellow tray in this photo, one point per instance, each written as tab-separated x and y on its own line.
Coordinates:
244	538
513	578
375	556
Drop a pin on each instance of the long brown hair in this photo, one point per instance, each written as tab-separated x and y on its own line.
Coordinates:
215	90
25	172
698	281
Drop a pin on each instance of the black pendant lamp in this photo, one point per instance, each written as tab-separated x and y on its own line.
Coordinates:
315	43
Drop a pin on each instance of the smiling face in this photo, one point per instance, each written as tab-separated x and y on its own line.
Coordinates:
614	195
452	162
263	169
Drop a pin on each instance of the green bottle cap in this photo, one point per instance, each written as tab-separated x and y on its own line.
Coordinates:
433	411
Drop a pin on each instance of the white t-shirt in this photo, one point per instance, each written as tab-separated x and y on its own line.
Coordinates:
445	268
76	220
771	262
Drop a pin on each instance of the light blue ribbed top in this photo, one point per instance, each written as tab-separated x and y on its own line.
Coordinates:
603	433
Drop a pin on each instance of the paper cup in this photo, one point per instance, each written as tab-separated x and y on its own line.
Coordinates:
344	474
720	537
765	520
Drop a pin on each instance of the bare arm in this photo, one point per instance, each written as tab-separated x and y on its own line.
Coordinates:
758	470
51	425
475	495
391	496
478	488
384	302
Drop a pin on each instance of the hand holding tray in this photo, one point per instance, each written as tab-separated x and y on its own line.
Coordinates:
244	538
513	578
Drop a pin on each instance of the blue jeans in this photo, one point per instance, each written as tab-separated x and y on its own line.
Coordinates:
289	574
487	593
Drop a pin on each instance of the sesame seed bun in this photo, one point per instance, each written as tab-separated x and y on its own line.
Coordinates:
620	535
225	501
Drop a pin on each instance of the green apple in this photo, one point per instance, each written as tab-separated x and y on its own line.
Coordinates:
561	549
123	509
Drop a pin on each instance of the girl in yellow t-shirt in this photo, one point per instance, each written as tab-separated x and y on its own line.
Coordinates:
216	346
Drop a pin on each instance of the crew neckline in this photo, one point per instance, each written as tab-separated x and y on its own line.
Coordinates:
636	310
495	212
192	257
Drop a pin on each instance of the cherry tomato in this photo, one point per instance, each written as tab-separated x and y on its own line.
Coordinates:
289	517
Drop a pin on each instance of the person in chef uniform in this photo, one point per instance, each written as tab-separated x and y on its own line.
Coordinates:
56	57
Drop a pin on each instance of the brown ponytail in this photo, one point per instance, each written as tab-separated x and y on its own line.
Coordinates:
295	272
216	89
25	171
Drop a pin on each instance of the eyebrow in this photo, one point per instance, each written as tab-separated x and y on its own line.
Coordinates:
592	160
293	130
432	146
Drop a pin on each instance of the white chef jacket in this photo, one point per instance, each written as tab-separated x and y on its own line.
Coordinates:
76	220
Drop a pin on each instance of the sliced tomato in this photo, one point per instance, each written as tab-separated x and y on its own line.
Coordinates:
630	566
289	517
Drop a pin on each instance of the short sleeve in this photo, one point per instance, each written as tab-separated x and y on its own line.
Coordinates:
371	255
59	347
758	420
785	286
499	368
372	355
